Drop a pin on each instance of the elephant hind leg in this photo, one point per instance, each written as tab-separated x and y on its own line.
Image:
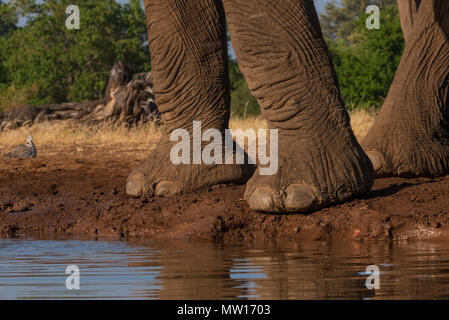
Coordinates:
281	51
411	134
188	47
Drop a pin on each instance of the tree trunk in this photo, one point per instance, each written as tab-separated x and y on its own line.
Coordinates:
126	99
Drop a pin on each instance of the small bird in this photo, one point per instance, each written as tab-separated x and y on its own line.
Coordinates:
24	151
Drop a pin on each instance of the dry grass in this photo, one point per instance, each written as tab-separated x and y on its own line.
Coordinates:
361	122
248	123
69	135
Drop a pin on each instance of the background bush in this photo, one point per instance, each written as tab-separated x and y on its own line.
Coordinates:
69	65
365	60
43	62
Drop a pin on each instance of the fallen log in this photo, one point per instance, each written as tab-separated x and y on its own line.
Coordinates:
126	99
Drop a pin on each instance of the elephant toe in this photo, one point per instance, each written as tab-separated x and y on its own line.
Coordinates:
135	186
376	160
167	189
299	197
261	199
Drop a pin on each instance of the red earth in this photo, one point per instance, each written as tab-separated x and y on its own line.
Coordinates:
84	195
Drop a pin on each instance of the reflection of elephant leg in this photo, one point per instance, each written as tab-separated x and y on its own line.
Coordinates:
188	46
281	52
197	271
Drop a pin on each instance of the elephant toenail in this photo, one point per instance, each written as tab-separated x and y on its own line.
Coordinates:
261	199
344	193
167	189
404	171
135	185
299	197
376	160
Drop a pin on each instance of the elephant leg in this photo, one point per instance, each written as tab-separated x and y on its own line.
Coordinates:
188	46
411	134
281	51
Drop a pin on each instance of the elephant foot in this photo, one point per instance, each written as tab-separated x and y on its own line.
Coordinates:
158	176
411	134
410	137
407	152
312	174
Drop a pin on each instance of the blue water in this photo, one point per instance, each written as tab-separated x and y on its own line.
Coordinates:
34	268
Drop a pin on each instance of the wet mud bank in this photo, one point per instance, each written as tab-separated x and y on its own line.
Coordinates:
85	196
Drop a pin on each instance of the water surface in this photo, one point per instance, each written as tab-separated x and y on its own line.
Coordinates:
35	269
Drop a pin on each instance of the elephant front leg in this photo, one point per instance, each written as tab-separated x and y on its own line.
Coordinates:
188	47
281	52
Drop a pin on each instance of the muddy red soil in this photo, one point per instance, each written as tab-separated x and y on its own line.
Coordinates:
69	194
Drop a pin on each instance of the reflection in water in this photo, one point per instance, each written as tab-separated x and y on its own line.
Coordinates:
32	269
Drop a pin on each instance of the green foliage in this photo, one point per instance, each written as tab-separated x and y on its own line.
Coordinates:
11	97
340	20
43	62
72	65
242	102
8	19
366	60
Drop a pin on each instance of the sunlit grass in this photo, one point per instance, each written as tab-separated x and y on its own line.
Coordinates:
361	122
64	134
